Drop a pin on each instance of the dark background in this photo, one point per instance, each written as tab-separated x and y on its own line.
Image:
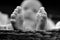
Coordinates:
52	7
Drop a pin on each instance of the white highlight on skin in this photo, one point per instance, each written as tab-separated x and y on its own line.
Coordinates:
58	24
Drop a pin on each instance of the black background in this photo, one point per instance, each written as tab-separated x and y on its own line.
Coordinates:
51	6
